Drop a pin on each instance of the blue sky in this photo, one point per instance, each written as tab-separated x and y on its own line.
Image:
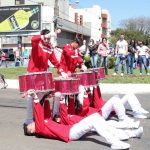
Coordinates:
120	9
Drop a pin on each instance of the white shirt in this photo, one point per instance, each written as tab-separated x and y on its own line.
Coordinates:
142	50
82	49
121	46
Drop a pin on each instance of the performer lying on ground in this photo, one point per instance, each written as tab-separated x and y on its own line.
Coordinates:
51	129
129	100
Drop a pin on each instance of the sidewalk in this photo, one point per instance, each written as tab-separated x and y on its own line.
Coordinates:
105	88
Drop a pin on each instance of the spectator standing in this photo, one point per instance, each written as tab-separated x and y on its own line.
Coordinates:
3	59
93	53
131	56
83	49
103	51
121	52
142	50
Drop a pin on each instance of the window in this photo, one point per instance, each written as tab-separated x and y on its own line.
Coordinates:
19	2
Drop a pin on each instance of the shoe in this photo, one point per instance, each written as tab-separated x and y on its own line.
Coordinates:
131	125
120	145
147	74
115	74
134	125
140	74
127	119
139	115
122	74
142	110
139	132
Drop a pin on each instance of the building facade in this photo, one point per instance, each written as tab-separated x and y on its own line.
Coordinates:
89	22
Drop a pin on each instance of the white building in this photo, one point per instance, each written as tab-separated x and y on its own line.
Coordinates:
91	22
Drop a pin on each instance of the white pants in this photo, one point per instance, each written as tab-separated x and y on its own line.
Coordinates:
132	101
115	104
93	122
96	123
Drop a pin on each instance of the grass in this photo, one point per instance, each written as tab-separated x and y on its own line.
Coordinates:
12	73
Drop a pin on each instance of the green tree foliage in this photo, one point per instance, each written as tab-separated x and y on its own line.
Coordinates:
129	34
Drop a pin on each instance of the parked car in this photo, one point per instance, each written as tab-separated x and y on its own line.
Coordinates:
9	53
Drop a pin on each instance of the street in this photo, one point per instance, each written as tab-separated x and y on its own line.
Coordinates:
13	112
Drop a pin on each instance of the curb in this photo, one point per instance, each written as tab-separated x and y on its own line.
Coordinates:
105	88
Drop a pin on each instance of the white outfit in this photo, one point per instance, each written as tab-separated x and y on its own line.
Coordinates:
113	104
121	46
98	124
142	50
132	101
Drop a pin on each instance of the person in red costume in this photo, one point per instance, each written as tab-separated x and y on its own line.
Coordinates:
84	110
42	51
48	128
71	57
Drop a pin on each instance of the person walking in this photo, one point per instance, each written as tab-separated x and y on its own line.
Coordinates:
3	59
121	52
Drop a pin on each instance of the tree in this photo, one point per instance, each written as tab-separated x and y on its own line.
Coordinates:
129	34
141	24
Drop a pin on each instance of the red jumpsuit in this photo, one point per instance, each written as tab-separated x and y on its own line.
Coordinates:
66	118
86	110
40	55
70	58
49	128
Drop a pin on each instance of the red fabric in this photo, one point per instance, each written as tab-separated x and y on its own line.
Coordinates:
47	110
71	106
69	63
66	118
86	110
98	100
40	55
3	56
49	129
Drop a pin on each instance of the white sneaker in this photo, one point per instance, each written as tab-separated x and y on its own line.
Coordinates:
115	74
130	125
134	125
139	115
140	74
147	74
127	119
120	145
142	110
122	74
139	132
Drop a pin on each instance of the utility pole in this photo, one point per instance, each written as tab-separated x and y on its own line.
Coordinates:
56	13
54	23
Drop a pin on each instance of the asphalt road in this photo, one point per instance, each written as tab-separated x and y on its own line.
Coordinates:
12	114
